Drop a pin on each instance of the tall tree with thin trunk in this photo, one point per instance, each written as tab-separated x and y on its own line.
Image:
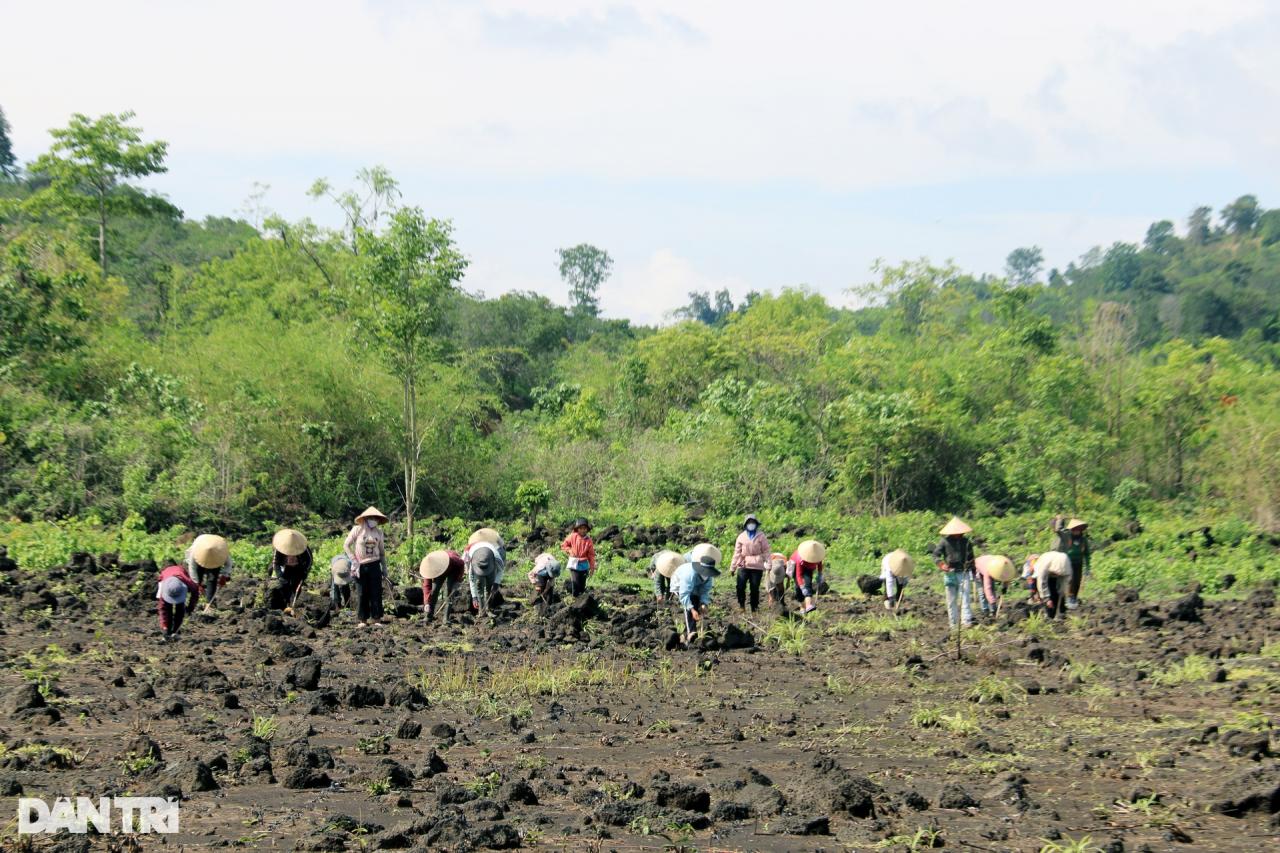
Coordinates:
405	273
584	268
88	168
8	162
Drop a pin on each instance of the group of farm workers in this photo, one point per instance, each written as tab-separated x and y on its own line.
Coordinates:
1053	578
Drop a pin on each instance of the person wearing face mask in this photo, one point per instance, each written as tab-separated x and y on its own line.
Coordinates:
750	558
366	547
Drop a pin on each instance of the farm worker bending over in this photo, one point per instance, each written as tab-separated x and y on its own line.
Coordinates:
691	585
895	570
750	558
954	555
807	562
775	579
366	547
442	572
339	582
291	562
582	556
546	568
176	596
486	562
1052	572
993	569
1073	540
661	568
209	562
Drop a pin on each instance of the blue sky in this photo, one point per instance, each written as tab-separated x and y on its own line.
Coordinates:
704	144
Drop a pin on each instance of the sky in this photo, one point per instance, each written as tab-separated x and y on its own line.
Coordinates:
704	144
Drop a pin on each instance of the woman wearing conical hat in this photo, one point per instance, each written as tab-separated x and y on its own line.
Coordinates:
1073	540
775	579
807	564
442	573
895	570
992	569
291	562
366	547
209	562
954	555
661	568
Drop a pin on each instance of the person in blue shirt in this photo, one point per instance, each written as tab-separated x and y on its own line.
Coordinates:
691	585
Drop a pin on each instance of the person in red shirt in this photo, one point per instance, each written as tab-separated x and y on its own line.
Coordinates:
442	572
176	596
807	563
582	556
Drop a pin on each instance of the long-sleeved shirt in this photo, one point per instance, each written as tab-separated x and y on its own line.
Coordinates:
988	585
280	563
193	588
799	566
1053	563
1075	546
365	544
687	584
956	552
193	567
750	552
579	548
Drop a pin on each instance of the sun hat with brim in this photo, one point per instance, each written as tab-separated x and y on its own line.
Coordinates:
666	562
371	512
580	522
955	527
998	567
173	591
1055	563
340	569
899	563
812	551
1076	523
485	534
434	565
289	542
751	516
706	566
209	551
706	549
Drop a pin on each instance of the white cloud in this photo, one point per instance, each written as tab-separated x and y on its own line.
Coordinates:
649	293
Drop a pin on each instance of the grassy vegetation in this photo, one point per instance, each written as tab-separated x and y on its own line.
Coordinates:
264	728
1191	669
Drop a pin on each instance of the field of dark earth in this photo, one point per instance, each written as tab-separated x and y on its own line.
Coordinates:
1131	725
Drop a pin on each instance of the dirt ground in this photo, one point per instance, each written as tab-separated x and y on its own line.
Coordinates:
1137	725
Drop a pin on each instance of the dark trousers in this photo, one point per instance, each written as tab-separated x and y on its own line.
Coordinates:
208	578
691	624
1056	586
171	616
1077	575
442	587
339	596
750	577
292	578
370	591
577	582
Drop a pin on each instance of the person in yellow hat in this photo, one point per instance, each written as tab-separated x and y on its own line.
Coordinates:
1073	540
291	562
366	547
209	562
896	569
442	573
954	556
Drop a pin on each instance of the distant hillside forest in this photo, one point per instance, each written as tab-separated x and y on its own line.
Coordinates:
234	373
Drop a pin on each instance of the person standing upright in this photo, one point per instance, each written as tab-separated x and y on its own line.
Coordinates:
1073	540
366	547
582	556
750	559
954	556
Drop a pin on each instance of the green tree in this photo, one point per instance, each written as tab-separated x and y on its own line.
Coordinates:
404	276
533	497
584	268
88	168
1161	237
1023	265
8	163
1241	215
1200	226
376	193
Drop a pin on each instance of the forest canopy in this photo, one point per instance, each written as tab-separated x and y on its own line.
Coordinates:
215	372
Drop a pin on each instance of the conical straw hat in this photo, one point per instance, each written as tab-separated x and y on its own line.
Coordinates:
1075	522
706	549
899	563
485	534
209	551
812	551
434	565
997	567
289	542
371	512
666	562
955	527
340	569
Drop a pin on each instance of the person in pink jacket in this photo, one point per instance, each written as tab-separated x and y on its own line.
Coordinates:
750	559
